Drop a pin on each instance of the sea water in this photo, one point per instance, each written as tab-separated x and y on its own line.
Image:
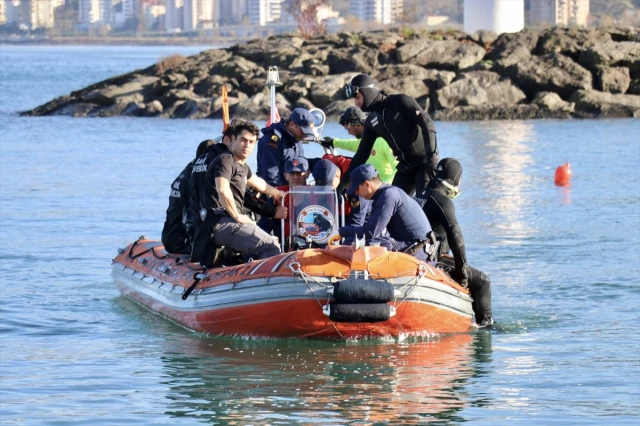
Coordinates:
564	264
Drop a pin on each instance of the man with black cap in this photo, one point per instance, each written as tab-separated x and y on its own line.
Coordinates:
175	237
281	142
381	157
327	173
396	222
437	205
407	129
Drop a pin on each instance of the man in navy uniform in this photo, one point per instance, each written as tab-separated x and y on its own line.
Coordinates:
281	142
397	222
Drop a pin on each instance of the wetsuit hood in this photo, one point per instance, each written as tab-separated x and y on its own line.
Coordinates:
448	174
370	94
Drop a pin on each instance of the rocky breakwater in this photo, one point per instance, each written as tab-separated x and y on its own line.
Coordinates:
556	73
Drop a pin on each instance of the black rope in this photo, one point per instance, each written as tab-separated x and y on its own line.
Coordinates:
192	287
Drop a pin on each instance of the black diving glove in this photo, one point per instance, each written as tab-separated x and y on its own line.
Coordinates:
327	142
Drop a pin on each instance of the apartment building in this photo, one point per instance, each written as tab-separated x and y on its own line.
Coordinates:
558	12
384	12
263	12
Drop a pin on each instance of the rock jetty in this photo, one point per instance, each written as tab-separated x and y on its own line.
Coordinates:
555	73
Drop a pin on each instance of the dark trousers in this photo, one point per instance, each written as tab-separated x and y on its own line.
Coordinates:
412	180
479	287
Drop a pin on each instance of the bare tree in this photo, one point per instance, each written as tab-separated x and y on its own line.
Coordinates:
305	12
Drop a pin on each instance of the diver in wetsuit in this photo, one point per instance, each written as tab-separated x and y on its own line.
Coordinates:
408	130
437	205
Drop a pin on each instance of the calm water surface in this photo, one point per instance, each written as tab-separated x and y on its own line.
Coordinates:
564	262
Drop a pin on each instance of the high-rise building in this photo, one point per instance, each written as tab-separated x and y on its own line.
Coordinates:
231	12
106	11
89	11
557	12
38	13
262	12
384	12
499	16
195	12
129	9
174	14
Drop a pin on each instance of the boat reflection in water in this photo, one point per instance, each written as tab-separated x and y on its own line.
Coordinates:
237	381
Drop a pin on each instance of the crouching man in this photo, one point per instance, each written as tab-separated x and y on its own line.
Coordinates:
223	224
397	222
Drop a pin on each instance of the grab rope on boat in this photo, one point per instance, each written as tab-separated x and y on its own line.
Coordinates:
422	271
297	271
197	277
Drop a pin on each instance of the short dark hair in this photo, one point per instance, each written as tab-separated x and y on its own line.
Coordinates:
376	179
228	132
202	147
245	125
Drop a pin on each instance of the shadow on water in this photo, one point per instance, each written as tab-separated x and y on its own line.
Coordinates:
222	380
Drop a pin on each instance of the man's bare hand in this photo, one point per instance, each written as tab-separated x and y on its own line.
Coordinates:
281	212
243	218
279	194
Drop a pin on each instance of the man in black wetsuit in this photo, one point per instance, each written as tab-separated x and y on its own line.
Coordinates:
437	205
174	233
408	130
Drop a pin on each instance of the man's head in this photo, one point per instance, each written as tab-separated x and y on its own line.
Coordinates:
202	147
363	90
449	174
244	139
353	119
326	173
300	124
227	134
364	181
296	171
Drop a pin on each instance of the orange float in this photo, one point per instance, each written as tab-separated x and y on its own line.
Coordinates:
563	175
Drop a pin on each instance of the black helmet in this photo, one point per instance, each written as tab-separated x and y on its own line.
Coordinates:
353	115
449	173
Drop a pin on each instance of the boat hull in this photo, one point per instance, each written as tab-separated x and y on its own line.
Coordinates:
266	299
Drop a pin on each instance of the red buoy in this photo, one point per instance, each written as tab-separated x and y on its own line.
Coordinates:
563	175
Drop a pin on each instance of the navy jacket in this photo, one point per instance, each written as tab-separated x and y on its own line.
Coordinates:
275	147
393	214
174	234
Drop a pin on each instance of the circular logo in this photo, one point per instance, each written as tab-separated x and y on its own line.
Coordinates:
373	152
315	222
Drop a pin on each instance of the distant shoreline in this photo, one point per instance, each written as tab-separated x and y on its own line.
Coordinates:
119	41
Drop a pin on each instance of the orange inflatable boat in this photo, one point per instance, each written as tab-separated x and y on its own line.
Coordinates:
326	292
333	292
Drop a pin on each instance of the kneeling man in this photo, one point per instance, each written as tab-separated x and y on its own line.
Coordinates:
397	222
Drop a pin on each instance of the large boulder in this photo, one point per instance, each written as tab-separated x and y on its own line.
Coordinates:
613	80
552	73
612	54
553	102
449	55
511	48
76	109
336	108
591	103
570	41
360	59
479	88
175	95
51	106
131	91
326	89
272	51
237	68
